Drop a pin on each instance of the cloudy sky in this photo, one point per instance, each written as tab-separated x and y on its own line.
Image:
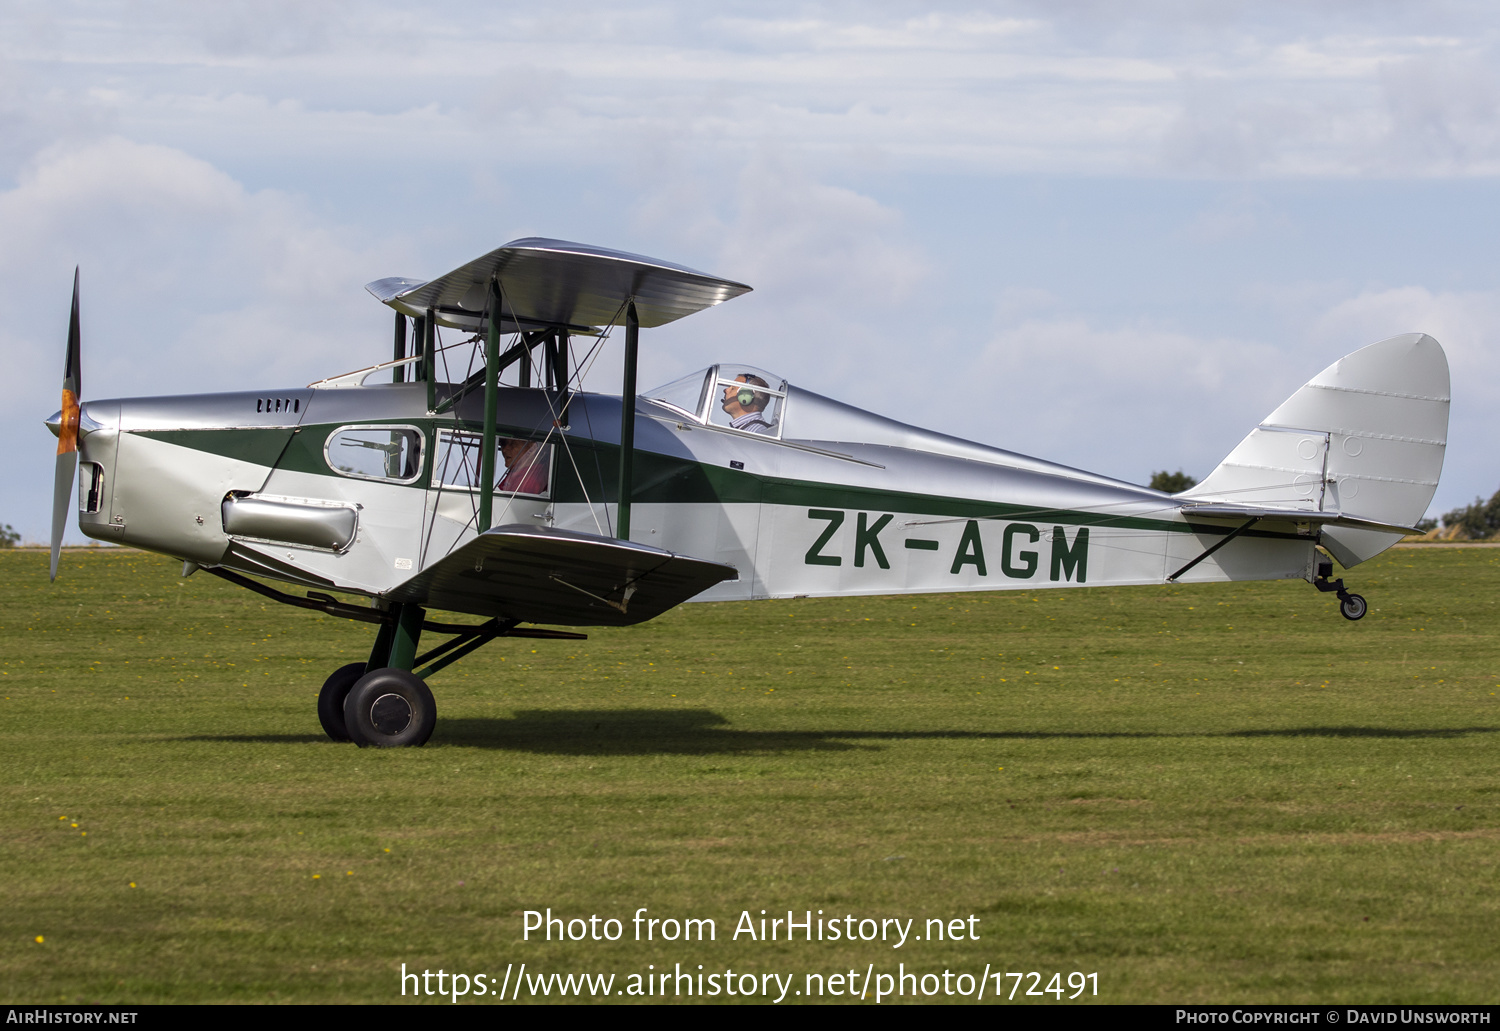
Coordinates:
1112	234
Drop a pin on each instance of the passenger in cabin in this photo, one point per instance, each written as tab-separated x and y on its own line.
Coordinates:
746	407
525	467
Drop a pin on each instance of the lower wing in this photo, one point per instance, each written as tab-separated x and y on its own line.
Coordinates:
545	575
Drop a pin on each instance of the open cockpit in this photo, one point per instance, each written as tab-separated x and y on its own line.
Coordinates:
731	397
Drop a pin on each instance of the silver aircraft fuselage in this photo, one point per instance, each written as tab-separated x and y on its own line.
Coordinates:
843	502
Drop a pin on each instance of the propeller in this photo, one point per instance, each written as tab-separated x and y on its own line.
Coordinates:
67	433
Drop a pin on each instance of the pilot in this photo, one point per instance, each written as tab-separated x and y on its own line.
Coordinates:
525	467
746	407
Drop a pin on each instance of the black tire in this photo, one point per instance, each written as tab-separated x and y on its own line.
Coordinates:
390	708
331	699
1352	606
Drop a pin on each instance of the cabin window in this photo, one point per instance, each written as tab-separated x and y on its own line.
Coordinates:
522	467
389	453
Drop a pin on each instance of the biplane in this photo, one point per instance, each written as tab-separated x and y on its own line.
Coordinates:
472	474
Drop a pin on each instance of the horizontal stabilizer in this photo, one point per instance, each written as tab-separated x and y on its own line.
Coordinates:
556	283
1293	515
545	575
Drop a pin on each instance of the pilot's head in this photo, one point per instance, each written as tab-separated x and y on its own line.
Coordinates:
514	449
742	400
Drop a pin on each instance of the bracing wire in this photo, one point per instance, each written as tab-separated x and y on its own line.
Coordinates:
469	460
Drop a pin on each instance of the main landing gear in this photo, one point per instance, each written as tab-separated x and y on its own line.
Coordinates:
383	703
382	708
1351	606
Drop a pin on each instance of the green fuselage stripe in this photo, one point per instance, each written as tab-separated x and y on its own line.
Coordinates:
662	479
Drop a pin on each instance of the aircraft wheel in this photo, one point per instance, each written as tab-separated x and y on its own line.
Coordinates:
1352	606
390	708
331	699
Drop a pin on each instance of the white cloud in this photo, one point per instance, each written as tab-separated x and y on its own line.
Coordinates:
1162	89
272	28
1219	132
1126	400
834	273
815	244
1444	112
178	258
189	283
1466	323
1122	400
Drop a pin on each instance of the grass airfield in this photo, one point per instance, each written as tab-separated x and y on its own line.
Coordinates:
1218	793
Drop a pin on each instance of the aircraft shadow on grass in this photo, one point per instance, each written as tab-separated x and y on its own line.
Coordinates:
705	732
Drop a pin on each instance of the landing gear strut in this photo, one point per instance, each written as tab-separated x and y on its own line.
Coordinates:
383	703
1351	606
389	706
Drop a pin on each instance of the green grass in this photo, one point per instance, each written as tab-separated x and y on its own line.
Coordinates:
1214	794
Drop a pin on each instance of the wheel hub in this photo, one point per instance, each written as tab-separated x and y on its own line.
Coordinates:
391	714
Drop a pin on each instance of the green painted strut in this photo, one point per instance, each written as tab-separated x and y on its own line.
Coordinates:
408	631
491	408
627	423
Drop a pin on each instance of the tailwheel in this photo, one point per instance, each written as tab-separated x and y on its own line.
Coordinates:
1352	606
331	699
389	708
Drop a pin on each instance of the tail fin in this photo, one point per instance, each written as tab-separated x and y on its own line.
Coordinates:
1364	437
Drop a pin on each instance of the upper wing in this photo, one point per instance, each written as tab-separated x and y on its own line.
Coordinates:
557	283
544	575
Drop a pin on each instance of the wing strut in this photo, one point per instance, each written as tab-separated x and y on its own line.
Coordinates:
1227	538
397	371
491	409
627	423
428	325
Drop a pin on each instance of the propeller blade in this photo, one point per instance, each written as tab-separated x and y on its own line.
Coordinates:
67	432
72	369
62	495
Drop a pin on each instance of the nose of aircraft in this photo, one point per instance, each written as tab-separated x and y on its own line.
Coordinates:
86	422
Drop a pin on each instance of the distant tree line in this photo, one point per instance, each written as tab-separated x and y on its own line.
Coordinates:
1172	483
1476	522
9	536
